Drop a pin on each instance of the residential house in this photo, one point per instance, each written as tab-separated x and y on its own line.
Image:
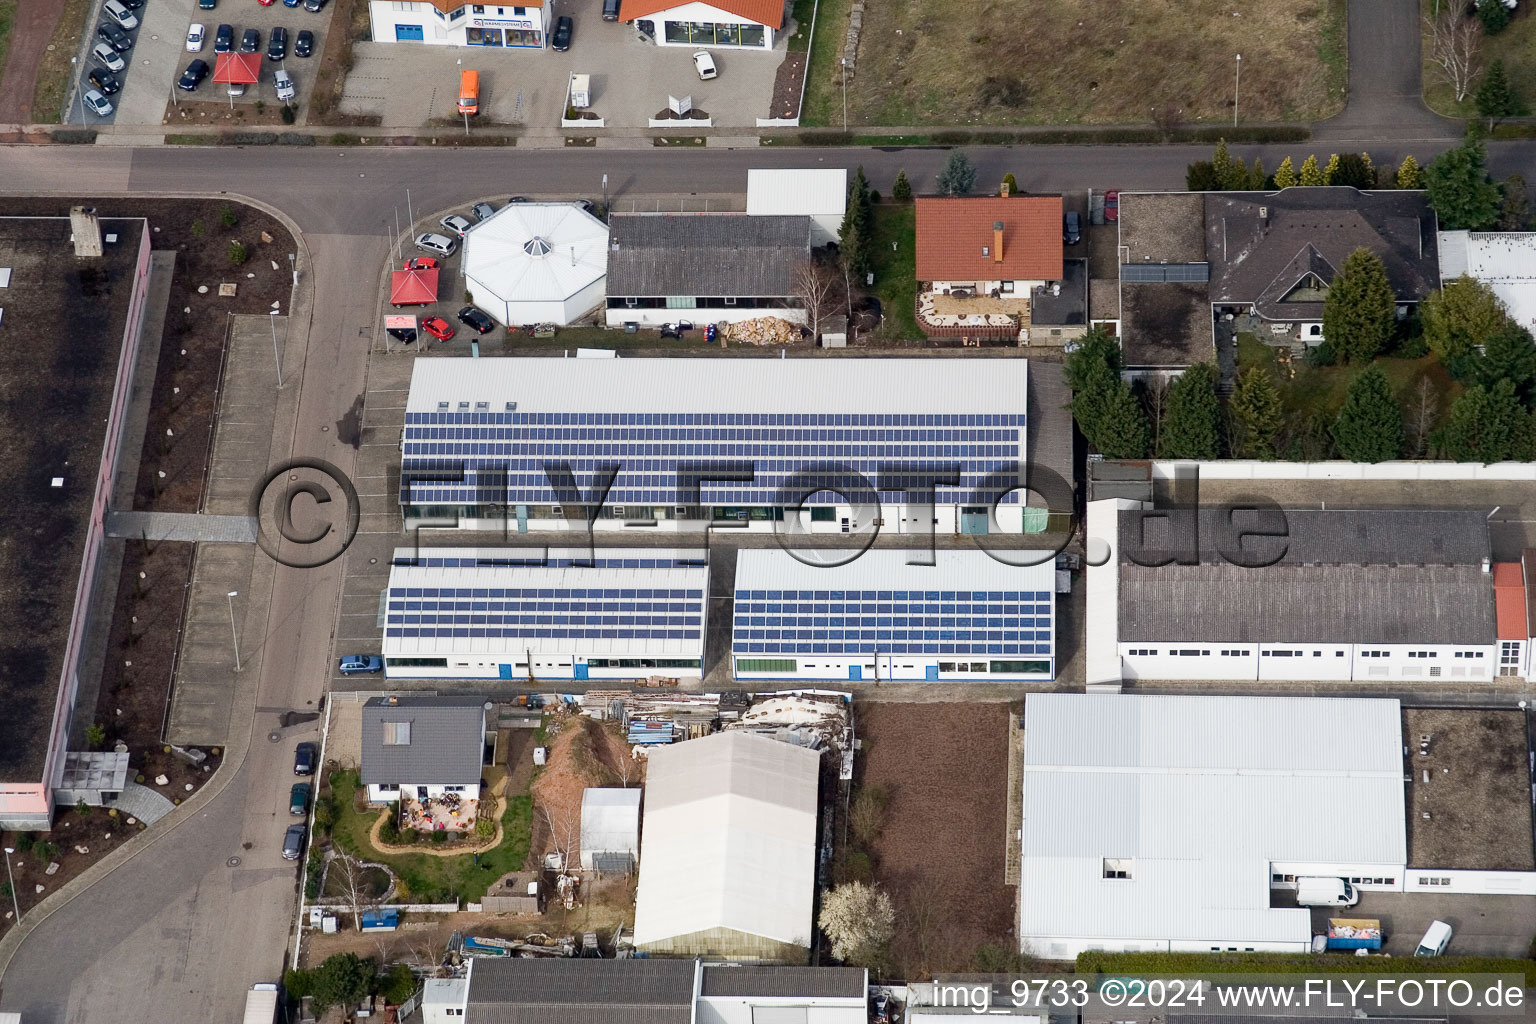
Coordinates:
984	261
708	267
740	24
524	25
421	747
1503	260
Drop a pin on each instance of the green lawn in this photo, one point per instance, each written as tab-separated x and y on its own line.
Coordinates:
823	88
1515	46
896	270
433	879
7	19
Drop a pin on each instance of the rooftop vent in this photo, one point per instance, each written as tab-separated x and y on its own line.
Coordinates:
537	247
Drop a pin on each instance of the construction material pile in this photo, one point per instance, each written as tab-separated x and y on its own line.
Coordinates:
763	330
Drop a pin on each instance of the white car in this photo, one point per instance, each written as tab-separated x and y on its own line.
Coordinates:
120	14
99	104
108	57
704	64
458	225
195	34
284	83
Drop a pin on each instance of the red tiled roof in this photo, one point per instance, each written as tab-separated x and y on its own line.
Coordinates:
764	12
1509	601
951	233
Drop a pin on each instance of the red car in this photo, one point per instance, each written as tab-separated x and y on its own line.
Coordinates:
265	3
1111	206
420	263
437	327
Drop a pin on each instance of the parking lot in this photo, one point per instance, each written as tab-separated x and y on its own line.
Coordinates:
1481	925
159	55
409	84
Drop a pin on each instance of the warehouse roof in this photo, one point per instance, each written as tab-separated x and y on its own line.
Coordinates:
728	840
1196	796
1503	260
422	739
631	991
785	981
1377	576
812	191
710	254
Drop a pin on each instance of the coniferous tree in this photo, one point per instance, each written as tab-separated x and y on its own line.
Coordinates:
1193	427
1310	173
1285	174
1360	312
1369	427
1257	414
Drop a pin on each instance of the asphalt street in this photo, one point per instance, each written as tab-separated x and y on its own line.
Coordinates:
178	933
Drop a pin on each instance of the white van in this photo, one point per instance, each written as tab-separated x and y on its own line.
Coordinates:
1325	892
1435	940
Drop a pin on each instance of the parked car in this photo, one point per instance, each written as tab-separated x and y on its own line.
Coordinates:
359	664
115	37
207	5
223	39
104	80
314	6
298	799
562	39
404	335
277	44
1435	940
458	225
236	90
1072	228
482	210
284	82
477	321
265	3
193	76
517	199
132	5
704	64
676	330
108	57
293	842
290	3
304	43
115	10
610	10
99	104
304	759
431	241
419	263
250	41
1112	206
437	327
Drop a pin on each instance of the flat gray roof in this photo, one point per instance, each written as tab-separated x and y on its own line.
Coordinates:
516	991
803	982
712	254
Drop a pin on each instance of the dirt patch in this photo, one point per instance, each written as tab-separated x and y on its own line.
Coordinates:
241	115
786	86
94	829
942	769
52	70
1478	793
582	753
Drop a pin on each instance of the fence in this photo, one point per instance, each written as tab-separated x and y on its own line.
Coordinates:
1241	470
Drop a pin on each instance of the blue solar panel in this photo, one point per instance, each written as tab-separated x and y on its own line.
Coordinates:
544	612
503	454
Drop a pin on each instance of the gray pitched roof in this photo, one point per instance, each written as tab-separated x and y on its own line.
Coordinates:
1262	244
447	738
1379	576
719	254
802	982
582	991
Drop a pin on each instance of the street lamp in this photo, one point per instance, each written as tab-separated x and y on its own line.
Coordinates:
12	879
79	92
1236	85
231	596
844	76
272	318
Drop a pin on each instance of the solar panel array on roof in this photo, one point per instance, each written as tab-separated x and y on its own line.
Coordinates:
1150	273
834	622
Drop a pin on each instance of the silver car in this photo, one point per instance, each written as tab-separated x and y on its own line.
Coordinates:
293	842
98	104
108	57
440	245
458	225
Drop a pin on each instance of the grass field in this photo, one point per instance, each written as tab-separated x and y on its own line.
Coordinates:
1515	46
896	270
7	19
428	878
958	62
53	77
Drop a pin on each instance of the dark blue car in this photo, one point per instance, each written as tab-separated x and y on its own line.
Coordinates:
359	664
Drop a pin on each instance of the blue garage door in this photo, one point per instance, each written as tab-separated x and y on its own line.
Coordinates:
408	33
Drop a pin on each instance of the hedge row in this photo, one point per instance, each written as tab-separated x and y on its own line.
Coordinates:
1133	964
1086	137
75	136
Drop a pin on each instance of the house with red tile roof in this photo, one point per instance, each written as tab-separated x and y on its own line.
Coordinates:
523	25
985	262
739	24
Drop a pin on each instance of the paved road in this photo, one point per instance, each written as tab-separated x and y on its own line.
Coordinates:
177	934
1385	88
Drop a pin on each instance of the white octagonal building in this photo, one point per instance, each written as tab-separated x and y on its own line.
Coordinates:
532	263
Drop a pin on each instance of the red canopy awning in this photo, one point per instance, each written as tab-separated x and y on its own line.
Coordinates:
237	68
413	287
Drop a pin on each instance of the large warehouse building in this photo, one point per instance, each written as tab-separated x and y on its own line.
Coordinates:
966	618
728	850
468	613
1163	822
1396	594
484	438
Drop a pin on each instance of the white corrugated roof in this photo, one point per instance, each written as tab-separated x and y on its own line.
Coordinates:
729	839
889	569
806	191
1202	794
723	385
1503	260
502	253
610	821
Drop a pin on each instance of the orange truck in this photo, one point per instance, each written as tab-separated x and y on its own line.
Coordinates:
469	92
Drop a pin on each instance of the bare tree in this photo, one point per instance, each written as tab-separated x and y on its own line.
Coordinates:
354	886
1156	401
1454	42
1421	416
815	286
563	837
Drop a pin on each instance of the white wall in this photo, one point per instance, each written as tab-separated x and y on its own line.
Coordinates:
700	316
487	665
1067	947
1021	289
384	15
1239	470
1102	549
899	667
1341	662
377	794
1444	880
739	1009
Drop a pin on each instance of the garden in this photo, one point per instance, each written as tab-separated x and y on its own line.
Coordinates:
1478	58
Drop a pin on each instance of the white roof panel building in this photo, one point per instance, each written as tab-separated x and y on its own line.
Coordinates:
1159	822
1503	260
610	823
815	192
728	854
532	263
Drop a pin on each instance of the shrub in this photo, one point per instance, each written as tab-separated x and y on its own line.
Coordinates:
287	115
439	837
298	983
25	841
75	136
44	850
825	138
238	253
389	832
1321	355
1494	16
95	736
198	229
484	827
952	138
228	217
81	807
261	105
313	873
901	190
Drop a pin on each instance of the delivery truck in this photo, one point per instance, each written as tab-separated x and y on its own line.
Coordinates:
261	1004
1354	933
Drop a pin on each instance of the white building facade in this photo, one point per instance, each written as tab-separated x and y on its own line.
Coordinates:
734	24
448	23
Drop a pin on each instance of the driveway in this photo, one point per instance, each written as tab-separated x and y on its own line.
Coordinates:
410	85
1386	101
1482	925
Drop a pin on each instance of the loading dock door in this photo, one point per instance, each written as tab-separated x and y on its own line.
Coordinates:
505	671
408	34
